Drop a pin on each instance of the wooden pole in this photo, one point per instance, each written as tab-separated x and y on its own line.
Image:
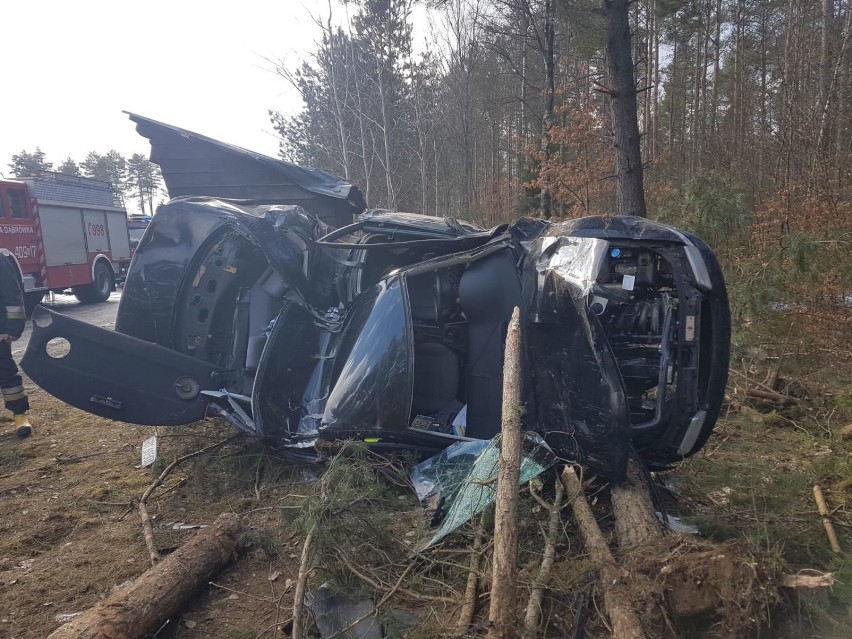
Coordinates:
160	592
501	613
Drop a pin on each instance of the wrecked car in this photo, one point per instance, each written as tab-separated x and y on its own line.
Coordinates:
269	312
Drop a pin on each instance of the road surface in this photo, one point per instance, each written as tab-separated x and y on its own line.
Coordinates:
102	314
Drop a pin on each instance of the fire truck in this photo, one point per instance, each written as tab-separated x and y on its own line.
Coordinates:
64	232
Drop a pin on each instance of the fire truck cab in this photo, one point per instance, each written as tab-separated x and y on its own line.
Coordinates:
64	232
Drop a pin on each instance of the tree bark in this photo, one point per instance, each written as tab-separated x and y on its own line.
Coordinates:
630	190
159	593
468	607
521	130
636	522
549	93
338	107
624	620
541	580
302	584
501	613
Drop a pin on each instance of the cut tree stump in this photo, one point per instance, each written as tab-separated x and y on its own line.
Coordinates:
159	593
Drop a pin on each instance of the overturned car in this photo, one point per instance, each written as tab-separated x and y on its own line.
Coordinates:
390	330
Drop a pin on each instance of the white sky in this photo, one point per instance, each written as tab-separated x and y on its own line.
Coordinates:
70	68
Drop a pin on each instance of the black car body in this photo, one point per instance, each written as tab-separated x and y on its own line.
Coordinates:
390	331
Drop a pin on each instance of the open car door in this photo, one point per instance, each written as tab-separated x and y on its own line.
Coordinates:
115	375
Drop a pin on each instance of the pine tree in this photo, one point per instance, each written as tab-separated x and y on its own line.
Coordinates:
110	168
143	180
26	164
68	167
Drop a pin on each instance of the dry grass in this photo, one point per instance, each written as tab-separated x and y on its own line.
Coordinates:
68	534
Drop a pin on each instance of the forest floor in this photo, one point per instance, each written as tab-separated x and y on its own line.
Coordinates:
70	531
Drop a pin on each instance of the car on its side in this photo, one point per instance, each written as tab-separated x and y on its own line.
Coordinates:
391	330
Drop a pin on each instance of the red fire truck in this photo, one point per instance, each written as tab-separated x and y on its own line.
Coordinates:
64	232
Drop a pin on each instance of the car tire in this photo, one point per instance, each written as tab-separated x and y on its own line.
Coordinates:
103	283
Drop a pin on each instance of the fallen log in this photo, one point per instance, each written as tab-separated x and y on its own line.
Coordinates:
160	592
625	622
815	580
771	396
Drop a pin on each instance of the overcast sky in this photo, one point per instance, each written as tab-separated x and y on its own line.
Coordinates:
70	68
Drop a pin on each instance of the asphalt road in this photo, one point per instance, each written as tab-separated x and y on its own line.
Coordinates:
102	314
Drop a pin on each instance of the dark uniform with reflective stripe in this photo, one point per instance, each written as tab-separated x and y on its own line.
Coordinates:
12	319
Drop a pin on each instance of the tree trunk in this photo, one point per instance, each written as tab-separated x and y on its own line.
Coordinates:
360	115
159	593
635	521
549	91
501	613
717	46
630	192
826	39
338	107
624	620
385	129
520	133
655	120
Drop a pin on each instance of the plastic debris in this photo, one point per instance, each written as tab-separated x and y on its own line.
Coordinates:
461	481
336	614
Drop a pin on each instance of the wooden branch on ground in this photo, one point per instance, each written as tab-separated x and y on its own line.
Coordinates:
636	523
803	580
375	585
766	393
302	584
158	594
468	608
542	577
501	611
826	522
771	396
622	616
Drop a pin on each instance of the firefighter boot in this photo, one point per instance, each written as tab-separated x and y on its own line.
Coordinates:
22	425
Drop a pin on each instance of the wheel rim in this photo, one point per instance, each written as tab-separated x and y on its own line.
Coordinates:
102	281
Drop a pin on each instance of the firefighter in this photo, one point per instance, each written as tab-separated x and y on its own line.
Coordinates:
12	319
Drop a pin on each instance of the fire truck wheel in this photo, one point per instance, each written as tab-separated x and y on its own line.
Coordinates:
100	288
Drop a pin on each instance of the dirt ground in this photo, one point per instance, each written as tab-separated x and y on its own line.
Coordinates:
70	531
